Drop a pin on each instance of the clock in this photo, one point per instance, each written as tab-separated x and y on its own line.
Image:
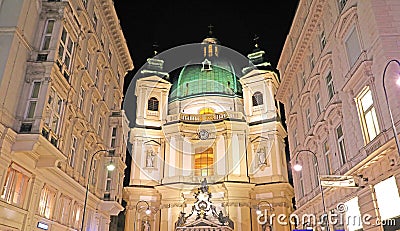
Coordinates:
203	134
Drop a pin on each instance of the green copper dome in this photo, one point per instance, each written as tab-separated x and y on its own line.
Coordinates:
205	79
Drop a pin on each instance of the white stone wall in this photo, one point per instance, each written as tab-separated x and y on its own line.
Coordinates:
377	27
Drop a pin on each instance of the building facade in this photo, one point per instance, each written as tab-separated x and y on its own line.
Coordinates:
208	126
62	67
333	88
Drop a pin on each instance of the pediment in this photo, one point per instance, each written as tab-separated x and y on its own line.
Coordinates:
154	79
152	143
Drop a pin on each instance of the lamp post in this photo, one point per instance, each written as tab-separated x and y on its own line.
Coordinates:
388	105
110	167
259	212
297	167
148	211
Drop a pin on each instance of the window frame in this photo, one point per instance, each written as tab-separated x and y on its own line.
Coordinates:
257	99
153	104
350	60
365	126
45	44
73	151
66	52
32	100
47	201
341	145
15	176
330	85
327	157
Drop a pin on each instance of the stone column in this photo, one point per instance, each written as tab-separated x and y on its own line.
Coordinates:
170	206
32	199
368	205
238	204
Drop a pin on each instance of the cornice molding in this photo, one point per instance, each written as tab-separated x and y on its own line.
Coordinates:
116	32
301	46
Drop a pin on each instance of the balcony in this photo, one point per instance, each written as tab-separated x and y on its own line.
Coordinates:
198	118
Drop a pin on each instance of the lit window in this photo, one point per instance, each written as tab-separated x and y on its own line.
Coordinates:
203	163
72	154
47	201
32	100
369	120
47	34
257	99
77	216
65	209
15	186
329	84
65	49
353	215
341	145
353	47
206	110
387	195
152	104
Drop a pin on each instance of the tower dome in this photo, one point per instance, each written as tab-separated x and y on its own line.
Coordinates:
209	75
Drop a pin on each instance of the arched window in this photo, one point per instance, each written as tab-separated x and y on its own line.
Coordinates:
257	98
203	163
152	104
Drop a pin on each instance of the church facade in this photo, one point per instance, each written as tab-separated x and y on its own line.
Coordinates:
208	149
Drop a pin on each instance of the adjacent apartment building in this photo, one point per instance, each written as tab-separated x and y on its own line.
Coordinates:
333	88
62	67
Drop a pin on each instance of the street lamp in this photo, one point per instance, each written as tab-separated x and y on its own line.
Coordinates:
110	167
298	167
259	212
148	211
388	106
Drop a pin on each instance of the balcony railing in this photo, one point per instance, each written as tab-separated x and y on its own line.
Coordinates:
206	117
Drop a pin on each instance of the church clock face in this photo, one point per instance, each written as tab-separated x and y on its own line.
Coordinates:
203	134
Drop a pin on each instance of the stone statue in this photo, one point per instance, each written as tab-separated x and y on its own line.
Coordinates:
262	156
150	158
204	186
146	226
181	220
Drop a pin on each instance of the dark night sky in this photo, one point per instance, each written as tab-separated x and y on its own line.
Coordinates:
177	22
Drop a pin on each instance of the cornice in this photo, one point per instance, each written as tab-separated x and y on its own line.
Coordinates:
304	39
116	32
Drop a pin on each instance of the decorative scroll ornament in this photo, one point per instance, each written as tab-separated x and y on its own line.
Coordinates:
204	214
